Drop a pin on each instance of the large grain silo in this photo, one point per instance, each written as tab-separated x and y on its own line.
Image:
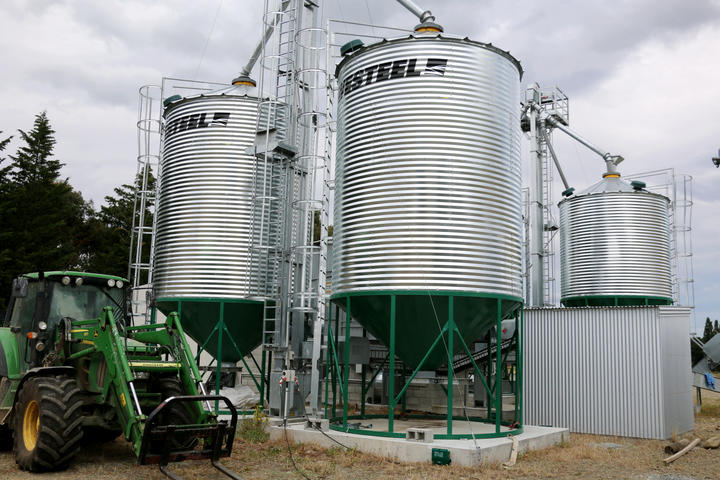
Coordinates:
615	246
202	264
427	205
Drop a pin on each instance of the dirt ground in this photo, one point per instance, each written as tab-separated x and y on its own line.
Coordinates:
582	457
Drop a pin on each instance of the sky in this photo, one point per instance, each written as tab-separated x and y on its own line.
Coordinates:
642	78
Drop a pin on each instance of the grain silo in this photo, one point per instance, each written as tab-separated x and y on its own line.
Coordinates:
615	246
427	203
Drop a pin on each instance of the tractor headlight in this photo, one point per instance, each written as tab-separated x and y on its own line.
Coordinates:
42	326
119	284
66	280
78	281
111	283
40	346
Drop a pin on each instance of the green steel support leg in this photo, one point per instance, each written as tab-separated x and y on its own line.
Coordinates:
262	379
153	315
218	359
346	374
268	371
337	372
404	397
488	378
362	392
391	378
498	367
451	333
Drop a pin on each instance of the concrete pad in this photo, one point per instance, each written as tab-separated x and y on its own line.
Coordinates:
462	452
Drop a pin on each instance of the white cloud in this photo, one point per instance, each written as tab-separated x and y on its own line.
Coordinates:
641	76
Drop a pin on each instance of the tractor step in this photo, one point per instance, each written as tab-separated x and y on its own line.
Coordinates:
215	439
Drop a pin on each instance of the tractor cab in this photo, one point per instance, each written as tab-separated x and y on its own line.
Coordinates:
42	301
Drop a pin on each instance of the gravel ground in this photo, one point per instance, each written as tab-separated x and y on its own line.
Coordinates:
585	456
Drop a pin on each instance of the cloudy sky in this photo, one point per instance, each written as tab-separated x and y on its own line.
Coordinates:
643	79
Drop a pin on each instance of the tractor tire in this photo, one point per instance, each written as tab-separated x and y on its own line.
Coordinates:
48	423
176	414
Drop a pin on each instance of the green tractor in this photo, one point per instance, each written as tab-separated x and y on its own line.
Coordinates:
74	370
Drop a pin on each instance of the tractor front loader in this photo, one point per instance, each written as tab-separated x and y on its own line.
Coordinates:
73	370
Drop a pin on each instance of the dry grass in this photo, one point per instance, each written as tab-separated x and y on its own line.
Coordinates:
582	457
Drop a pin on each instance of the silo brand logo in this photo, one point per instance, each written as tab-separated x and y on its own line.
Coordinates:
408	67
198	120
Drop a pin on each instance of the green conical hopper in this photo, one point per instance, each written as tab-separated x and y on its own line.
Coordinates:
200	317
420	316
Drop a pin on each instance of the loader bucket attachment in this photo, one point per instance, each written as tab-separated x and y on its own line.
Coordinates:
215	439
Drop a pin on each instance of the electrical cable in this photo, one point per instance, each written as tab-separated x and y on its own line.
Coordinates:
207	40
292	459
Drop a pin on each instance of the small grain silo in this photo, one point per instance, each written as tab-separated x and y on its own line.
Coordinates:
615	246
202	262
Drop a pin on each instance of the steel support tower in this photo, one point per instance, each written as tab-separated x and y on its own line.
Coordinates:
542	224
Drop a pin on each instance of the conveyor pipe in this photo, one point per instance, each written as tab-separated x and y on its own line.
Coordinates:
423	15
266	36
610	160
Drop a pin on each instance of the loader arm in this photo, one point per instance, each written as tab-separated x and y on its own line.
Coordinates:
157	348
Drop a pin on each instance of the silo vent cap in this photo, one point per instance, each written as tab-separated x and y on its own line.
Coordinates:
638	185
172	99
244	80
568	192
429	27
351	46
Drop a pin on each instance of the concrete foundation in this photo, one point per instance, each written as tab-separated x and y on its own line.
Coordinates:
419	448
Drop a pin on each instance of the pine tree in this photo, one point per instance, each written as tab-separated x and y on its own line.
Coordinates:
44	219
5	252
33	162
708	332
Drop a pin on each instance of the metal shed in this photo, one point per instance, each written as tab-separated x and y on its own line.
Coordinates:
621	371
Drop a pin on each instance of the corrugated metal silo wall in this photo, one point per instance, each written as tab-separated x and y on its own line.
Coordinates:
621	371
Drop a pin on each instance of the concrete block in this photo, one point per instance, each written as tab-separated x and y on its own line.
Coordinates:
314	423
424	435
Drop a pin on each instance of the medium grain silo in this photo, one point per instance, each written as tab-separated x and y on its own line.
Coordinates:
202	263
427	205
615	246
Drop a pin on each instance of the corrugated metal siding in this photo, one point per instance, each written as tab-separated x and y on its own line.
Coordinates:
603	370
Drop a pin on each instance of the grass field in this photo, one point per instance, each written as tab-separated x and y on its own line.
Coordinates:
253	458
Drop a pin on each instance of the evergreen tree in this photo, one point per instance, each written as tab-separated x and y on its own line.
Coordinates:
4	170
717	328
5	253
112	229
33	162
44	220
708	332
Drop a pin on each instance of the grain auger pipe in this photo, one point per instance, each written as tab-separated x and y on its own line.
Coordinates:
611	161
427	19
